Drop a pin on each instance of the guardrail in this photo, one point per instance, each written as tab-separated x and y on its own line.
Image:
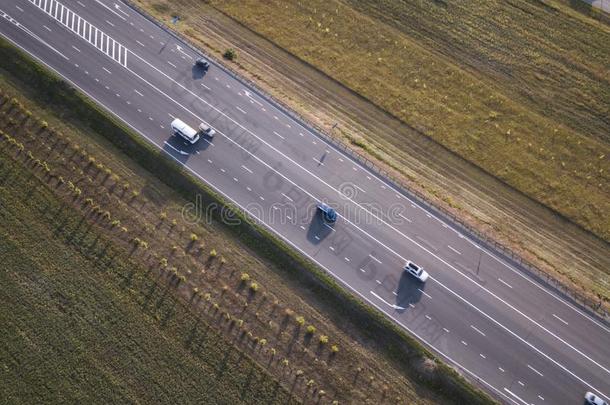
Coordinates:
593	307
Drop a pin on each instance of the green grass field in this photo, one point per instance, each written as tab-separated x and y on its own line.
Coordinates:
521	89
75	331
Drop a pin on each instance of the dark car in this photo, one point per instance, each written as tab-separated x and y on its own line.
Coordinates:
202	63
329	214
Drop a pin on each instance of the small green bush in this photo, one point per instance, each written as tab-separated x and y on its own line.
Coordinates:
245	277
213	253
254	287
323	339
300	320
230	54
334	348
311	330
194	237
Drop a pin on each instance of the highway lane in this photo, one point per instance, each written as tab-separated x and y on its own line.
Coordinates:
267	157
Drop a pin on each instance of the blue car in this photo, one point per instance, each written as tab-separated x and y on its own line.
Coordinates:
329	214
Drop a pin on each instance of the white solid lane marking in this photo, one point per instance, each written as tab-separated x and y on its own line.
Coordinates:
235	179
76	49
318	161
478	330
425	293
362	270
456	251
515	396
19	8
374	258
505	283
387	303
177	150
559	319
111	10
428	317
140	43
278	135
288	198
107	71
302	227
47	28
446	330
521	383
240	110
542	398
346	259
139	94
223	170
171	64
261	197
80	4
209	161
248	188
482	355
535	371
359	188
464	343
275	116
204	86
331	248
317	237
246	169
109	23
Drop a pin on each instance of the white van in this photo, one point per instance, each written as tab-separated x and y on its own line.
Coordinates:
186	132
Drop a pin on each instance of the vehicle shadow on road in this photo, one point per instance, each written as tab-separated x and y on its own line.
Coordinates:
198	72
409	291
182	150
318	229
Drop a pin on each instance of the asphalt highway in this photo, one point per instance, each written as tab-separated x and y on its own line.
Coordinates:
516	338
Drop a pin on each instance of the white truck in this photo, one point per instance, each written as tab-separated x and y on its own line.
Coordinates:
189	134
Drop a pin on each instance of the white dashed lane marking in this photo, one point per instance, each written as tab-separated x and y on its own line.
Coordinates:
505	283
535	371
559	319
456	251
374	258
478	330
